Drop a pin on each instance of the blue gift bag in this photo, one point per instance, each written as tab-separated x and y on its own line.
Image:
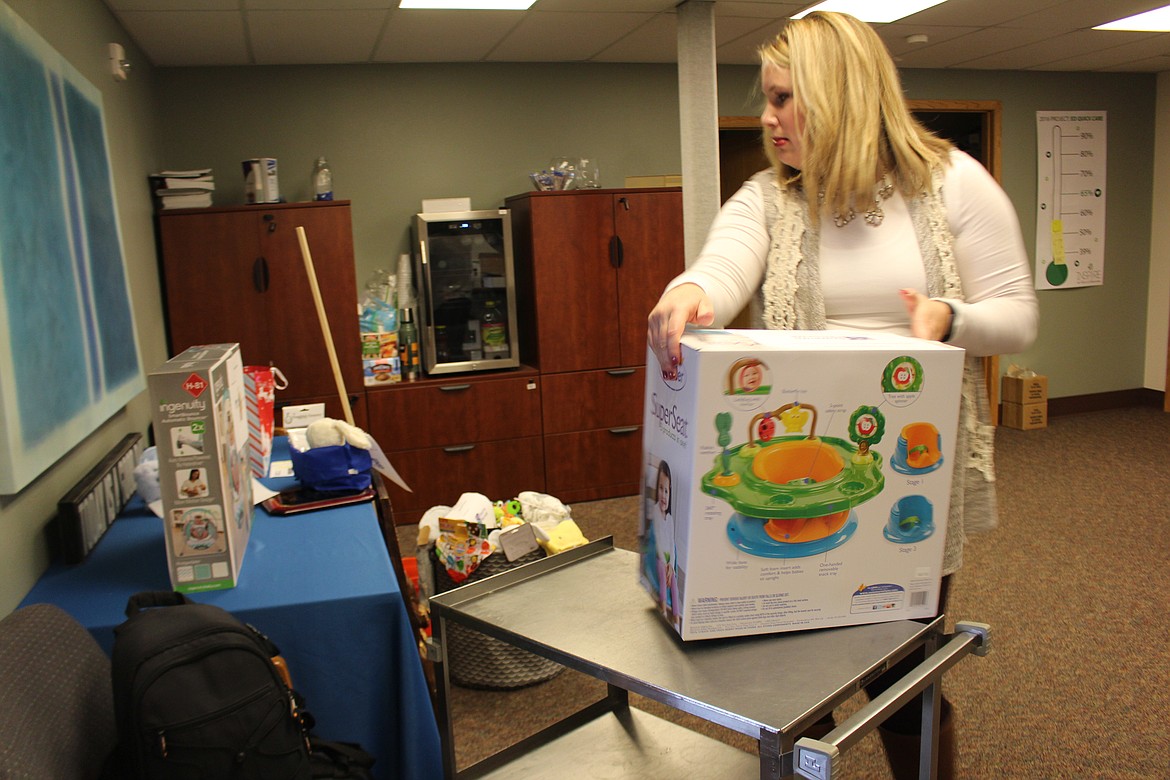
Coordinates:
337	468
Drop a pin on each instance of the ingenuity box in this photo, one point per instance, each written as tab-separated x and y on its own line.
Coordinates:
797	479
201	428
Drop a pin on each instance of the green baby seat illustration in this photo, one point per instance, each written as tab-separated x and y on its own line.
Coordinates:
794	493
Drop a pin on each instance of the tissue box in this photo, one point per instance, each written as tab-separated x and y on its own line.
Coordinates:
797	480
205	479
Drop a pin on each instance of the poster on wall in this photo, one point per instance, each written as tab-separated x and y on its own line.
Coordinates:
69	355
1070	194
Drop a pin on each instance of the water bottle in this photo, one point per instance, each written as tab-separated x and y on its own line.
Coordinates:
493	330
322	180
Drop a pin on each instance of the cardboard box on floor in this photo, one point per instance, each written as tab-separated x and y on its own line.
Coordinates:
1025	402
1024	390
797	480
200	425
1025	417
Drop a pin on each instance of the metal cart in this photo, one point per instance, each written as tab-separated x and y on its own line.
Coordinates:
584	609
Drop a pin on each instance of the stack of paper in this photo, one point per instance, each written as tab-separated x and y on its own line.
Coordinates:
183	189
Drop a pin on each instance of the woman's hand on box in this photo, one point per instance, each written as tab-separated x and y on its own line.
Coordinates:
677	307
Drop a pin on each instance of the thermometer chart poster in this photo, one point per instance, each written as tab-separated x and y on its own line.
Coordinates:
1070	194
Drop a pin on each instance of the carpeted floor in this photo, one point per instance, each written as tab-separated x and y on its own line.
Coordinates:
1075	584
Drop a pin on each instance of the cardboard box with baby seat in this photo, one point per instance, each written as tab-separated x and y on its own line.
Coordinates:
797	480
205	478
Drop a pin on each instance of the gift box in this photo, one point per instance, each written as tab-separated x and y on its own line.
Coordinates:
259	398
797	480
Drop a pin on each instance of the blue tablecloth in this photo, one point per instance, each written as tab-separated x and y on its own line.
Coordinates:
320	584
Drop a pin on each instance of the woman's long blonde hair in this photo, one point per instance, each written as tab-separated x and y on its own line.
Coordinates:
857	126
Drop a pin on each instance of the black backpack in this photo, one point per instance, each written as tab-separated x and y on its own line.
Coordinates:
198	697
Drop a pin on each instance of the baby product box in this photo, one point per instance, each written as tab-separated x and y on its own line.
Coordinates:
797	480
200	425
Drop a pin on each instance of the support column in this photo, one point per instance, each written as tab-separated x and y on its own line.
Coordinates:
698	106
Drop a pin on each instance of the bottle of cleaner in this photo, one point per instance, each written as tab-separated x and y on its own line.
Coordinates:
322	180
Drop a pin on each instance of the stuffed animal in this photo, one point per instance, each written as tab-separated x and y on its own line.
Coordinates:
328	432
508	513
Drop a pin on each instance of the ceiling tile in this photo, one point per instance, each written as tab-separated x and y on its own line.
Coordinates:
634	6
987	13
759	10
411	35
1151	46
188	37
894	36
756	30
173	5
307	37
317	5
1047	50
1080	14
1151	65
654	41
968	47
564	36
744	47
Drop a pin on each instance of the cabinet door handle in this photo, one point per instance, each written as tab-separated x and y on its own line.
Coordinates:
260	275
625	202
453	388
615	251
623	431
621	371
459	448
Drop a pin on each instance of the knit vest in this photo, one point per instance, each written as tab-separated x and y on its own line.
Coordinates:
791	299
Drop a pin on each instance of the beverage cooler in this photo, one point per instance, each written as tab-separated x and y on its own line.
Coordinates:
466	291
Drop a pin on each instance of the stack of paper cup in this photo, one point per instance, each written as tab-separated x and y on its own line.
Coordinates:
405	283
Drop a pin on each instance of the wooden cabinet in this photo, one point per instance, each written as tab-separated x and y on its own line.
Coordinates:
453	435
590	265
237	274
592	432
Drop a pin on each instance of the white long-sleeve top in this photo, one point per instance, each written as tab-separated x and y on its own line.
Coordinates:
863	267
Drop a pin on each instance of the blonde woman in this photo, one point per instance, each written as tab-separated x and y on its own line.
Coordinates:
866	221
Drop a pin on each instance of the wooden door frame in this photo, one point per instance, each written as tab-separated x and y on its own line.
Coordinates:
992	111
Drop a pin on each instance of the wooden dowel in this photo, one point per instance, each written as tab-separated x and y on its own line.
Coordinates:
324	320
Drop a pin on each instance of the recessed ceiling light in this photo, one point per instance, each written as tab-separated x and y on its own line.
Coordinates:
1157	20
469	5
869	11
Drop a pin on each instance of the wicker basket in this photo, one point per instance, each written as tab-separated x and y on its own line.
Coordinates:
475	660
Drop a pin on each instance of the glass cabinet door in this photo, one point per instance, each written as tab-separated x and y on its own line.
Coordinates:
464	268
